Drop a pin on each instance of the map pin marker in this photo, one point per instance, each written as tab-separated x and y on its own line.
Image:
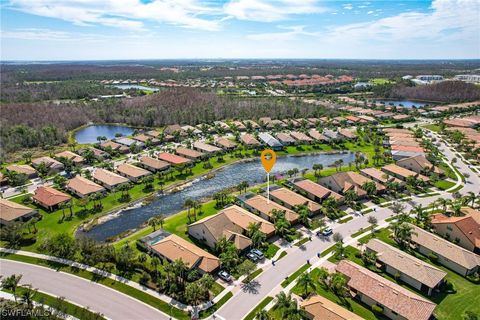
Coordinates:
268	158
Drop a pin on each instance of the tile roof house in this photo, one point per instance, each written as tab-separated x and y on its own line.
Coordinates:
225	143
153	164
11	212
83	187
115	146
449	255
342	182
290	199
75	158
108	179
231	223
172	158
25	169
415	272
239	125
372	289
173	248
314	191
263	207
464	231
317	135
270	141
332	135
402	173
348	134
132	172
249	140
379	176
419	164
171	129
146	139
475	214
285	139
97	153
51	164
320	308
301	137
251	123
205	147
189	153
50	198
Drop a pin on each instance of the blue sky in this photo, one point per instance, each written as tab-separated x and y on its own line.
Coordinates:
174	29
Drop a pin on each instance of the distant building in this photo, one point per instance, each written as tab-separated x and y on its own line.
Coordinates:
468	77
429	77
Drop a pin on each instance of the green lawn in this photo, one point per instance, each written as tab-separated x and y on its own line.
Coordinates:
361	230
271	251
51	301
444	184
327	251
259	307
282	254
350	254
294	275
116	285
302	242
208	312
433	127
345	220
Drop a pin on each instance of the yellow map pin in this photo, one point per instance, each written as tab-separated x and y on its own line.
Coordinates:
268	158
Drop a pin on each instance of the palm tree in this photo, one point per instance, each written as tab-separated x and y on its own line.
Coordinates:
471	197
306	282
402	232
282	226
323	276
188	204
153	222
262	315
11	283
303	213
28	296
317	167
338	284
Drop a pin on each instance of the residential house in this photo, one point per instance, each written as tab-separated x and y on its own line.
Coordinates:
225	143
146	139
189	153
153	164
464	230
173	248
419	164
132	172
290	199
270	141
395	301
114	146
319	308
75	158
98	154
108	179
262	206
191	130
25	169
347	134
332	135
402	173
379	176
317	135
252	124
249	140
205	147
173	158
130	142
314	191
11	212
454	257
83	187
301	137
51	164
285	139
418	274
239	126
231	223
172	129
50	198
341	182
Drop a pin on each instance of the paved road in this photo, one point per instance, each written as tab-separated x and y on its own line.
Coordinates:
112	304
245	300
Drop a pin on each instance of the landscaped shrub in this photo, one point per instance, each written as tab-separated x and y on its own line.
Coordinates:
433	257
377	309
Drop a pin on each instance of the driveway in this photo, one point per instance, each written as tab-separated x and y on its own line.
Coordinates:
112	304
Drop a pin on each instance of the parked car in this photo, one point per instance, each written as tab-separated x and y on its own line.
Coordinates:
258	253
225	276
327	231
252	256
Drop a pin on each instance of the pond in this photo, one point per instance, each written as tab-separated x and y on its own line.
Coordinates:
226	177
135	86
90	133
405	103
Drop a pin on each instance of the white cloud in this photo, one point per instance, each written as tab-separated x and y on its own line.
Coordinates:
126	14
268	11
348	6
291	34
370	12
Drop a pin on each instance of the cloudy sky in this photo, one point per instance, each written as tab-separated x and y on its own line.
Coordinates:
162	29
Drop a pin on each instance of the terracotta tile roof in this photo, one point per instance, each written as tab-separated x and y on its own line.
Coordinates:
172	158
84	186
172	129
351	180
293	199
394	169
206	147
249	139
10	210
347	133
113	145
317	135
22	169
49	162
154	163
264	206
189	153
420	160
300	136
321	308
225	143
109	178
285	138
173	247
402	301
445	248
378	175
132	171
49	196
407	264
466	224
407	148
70	155
475	214
144	138
316	189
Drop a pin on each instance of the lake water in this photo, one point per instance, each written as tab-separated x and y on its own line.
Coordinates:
90	133
405	103
135	86
226	177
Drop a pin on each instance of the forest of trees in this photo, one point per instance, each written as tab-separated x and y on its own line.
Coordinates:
26	125
446	91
